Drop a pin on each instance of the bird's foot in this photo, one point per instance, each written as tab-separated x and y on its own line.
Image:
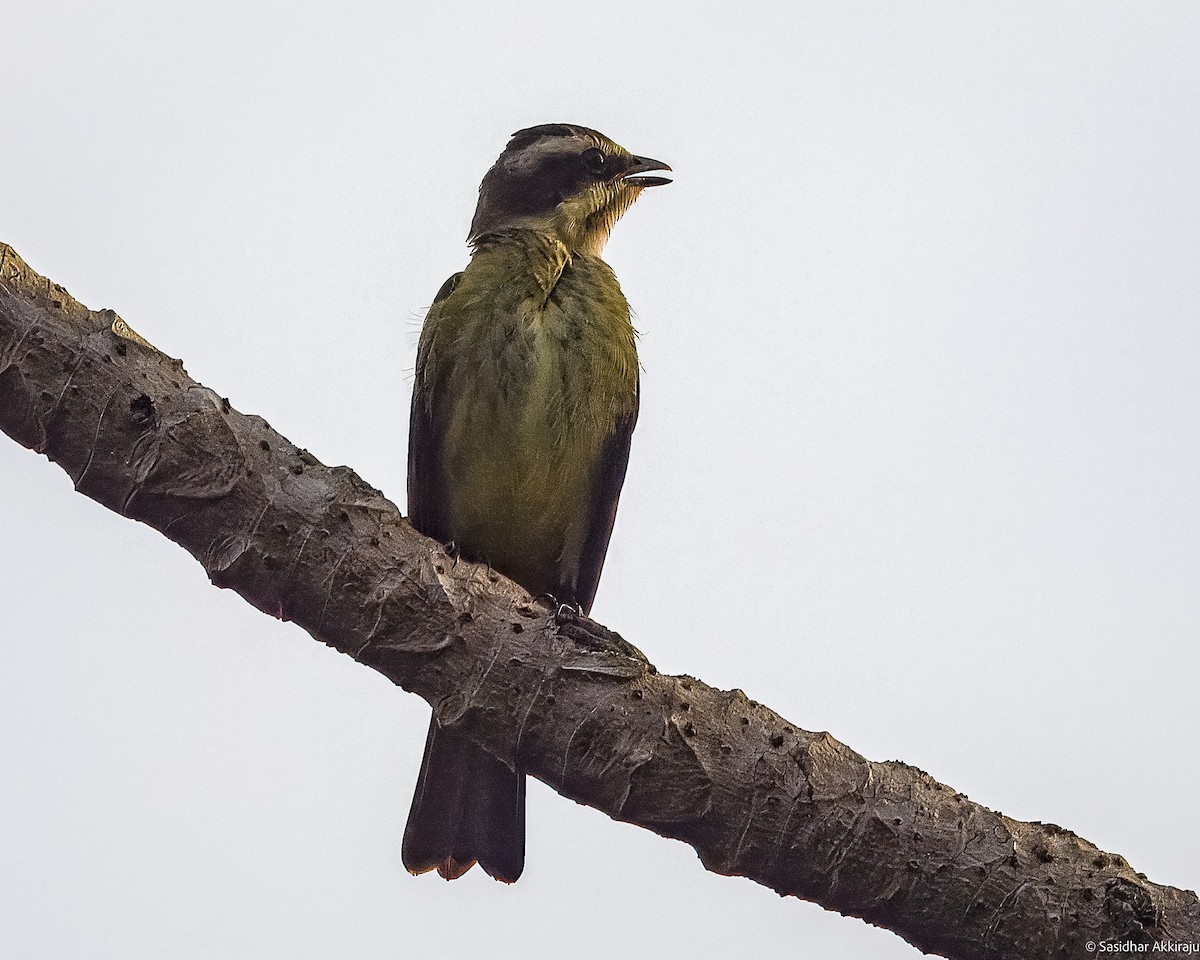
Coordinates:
566	612
590	635
452	551
572	622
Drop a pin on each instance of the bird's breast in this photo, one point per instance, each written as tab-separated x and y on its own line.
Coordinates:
536	386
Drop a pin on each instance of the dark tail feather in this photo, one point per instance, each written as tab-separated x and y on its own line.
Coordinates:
469	808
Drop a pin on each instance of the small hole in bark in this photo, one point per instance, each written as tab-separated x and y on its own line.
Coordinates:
263	445
297	469
142	407
120	348
343	516
224	404
777	740
518	628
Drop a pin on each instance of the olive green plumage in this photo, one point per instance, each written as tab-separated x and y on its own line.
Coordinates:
524	402
527	378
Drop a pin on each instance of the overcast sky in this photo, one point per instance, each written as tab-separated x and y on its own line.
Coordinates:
918	461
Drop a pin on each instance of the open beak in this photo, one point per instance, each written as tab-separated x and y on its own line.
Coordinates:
645	165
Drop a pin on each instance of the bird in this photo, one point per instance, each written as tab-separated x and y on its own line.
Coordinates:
525	396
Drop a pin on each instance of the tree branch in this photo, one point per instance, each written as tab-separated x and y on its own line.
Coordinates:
575	705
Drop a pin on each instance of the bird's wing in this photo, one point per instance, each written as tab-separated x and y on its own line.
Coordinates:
607	477
426	488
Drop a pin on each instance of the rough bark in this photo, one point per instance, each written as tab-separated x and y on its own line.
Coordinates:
574	704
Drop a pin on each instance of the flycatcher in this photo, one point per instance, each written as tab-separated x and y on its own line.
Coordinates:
524	402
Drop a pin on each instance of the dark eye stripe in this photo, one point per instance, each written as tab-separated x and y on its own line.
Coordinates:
593	160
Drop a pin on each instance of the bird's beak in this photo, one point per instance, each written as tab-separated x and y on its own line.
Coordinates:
644	165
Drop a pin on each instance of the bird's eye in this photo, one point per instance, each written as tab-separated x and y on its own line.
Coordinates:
594	160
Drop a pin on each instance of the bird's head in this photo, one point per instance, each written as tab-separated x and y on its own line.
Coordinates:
564	180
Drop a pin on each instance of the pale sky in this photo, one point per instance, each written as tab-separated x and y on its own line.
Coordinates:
918	461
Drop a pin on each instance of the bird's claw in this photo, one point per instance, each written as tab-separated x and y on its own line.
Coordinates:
595	638
572	622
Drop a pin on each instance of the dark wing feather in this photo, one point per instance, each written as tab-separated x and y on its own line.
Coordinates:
607	478
426	488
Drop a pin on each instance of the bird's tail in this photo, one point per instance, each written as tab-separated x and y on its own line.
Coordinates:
469	808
